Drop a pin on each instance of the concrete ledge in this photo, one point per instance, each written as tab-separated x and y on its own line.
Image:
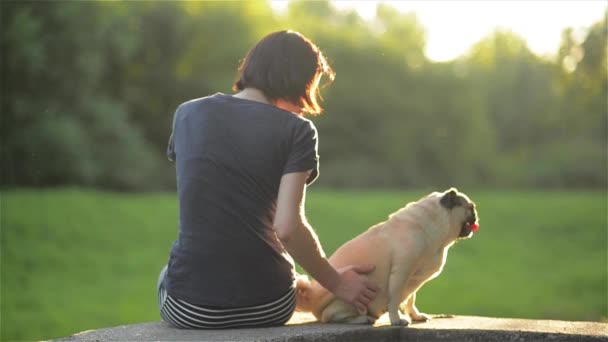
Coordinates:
303	328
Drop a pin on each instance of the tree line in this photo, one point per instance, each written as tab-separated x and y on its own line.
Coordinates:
89	90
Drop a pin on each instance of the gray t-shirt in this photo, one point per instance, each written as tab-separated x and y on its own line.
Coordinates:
230	154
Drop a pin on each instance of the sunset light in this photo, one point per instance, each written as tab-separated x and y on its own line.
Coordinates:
453	26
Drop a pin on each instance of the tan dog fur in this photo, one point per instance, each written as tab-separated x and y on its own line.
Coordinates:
408	250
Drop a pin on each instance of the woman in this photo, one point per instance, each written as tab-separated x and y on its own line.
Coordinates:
243	163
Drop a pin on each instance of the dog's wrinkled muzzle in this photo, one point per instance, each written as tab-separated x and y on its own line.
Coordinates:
470	226
472	221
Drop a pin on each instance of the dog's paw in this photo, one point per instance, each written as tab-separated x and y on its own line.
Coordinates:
420	317
402	322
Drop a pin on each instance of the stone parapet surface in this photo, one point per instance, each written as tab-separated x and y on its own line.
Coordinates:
302	327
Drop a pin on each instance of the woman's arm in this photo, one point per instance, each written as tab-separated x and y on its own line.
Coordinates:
299	239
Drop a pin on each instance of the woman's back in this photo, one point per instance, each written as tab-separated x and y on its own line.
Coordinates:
230	155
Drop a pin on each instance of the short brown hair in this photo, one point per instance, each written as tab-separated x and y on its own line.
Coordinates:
285	65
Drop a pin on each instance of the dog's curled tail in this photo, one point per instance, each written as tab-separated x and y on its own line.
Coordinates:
303	293
302	282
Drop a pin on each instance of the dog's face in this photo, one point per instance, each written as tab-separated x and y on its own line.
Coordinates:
462	210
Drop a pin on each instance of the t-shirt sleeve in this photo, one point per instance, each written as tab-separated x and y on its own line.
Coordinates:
171	148
303	154
171	144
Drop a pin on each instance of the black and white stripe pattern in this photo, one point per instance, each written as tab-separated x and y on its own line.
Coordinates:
182	314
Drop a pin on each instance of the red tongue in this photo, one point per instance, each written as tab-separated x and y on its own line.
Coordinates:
474	226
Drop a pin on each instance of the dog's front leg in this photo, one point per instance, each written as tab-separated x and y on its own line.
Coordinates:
396	283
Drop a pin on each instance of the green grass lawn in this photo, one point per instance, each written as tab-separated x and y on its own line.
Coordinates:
74	259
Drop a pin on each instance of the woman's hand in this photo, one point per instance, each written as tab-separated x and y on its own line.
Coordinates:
354	287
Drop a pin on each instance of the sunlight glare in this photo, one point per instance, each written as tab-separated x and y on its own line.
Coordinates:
453	26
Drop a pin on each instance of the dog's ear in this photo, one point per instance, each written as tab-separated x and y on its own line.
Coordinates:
450	199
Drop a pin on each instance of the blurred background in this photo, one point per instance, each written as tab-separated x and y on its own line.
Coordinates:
505	100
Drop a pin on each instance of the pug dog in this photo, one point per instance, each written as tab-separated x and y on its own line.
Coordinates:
408	250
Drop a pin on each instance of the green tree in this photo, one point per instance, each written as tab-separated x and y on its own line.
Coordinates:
58	124
91	87
580	152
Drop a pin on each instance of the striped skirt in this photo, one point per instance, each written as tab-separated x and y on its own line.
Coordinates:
182	314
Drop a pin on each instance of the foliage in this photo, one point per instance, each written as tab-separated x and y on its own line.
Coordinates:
59	126
90	88
74	260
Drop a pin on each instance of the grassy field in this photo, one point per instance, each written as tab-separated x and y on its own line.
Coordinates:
73	260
